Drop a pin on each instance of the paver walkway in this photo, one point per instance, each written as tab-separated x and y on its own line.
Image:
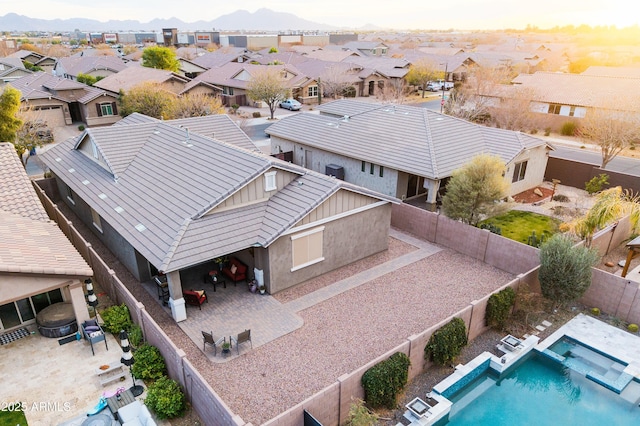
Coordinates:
233	309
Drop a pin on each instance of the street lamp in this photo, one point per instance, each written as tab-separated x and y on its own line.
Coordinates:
92	299
128	360
444	85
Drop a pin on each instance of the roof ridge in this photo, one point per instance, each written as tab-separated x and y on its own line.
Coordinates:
429	142
174	245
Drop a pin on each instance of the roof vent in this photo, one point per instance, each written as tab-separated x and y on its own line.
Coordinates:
85	182
72	170
102	196
118	209
345	118
140	227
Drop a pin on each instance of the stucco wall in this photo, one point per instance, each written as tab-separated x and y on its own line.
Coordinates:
536	165
370	229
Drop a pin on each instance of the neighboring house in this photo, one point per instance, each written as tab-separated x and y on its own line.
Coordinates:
47	63
134	75
11	69
38	264
61	102
95	66
223	56
166	199
234	78
402	151
366	48
189	68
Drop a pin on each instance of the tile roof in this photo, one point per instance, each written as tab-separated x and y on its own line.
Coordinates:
410	139
41	85
629	72
226	74
86	64
166	182
29	241
134	75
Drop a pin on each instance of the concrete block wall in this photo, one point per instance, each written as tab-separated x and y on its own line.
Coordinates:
510	255
464	239
321	406
414	221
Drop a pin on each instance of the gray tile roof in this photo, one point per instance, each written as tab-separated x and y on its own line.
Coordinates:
86	64
134	75
41	85
167	183
410	139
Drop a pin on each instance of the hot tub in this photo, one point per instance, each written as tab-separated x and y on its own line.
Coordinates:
57	320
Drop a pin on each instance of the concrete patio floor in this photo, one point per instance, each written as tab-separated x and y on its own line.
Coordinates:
56	383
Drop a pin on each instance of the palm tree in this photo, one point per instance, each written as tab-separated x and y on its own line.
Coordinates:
611	205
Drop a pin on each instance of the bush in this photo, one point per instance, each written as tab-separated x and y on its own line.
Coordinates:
498	307
633	328
491	228
81	127
561	198
256	114
149	363
359	415
595	311
135	336
447	342
385	380
533	131
165	398
568	129
597	183
116	318
547	131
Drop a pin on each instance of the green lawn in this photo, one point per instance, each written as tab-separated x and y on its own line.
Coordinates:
519	226
12	418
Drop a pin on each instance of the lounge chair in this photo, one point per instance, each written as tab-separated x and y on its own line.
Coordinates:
243	337
208	339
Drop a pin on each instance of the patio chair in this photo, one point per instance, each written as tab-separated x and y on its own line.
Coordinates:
243	337
209	340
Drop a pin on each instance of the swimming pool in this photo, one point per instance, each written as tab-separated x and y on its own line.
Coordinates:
540	391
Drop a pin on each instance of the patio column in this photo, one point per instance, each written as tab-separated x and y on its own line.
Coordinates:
78	302
432	187
176	301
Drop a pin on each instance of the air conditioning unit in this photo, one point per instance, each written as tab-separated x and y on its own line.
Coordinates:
335	171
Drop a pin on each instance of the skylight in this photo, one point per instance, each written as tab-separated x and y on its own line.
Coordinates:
102	196
85	182
118	209
140	227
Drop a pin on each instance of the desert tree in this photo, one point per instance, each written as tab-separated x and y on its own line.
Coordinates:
268	86
513	111
474	191
33	133
196	105
160	57
422	72
9	107
394	91
565	270
149	99
611	128
335	80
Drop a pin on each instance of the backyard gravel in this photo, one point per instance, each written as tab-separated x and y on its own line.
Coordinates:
338	335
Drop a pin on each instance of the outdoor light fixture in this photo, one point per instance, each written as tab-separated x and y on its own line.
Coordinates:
92	299
128	360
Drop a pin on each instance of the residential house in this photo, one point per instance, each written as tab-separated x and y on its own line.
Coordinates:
134	75
11	69
60	102
47	63
219	57
366	48
402	151
95	66
166	199
38	264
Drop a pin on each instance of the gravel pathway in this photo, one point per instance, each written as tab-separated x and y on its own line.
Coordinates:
338	335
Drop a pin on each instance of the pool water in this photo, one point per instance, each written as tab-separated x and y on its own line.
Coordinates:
540	392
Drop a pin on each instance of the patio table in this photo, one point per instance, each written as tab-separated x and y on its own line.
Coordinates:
115	404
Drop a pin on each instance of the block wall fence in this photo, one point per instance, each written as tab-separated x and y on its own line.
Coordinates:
330	406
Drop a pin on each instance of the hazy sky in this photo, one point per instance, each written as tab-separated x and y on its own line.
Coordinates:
401	14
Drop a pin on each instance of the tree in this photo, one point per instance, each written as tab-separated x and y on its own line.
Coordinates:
161	58
611	129
395	91
87	79
9	107
33	133
421	72
513	111
565	270
148	99
474	190
611	204
335	80
268	86
197	105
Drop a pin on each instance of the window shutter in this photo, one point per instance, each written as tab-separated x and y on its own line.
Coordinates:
99	110
115	108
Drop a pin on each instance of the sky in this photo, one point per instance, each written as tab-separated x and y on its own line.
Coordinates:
399	14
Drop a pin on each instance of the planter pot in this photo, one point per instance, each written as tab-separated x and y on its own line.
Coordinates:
263	291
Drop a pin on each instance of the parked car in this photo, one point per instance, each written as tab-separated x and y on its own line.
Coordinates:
291	105
434	87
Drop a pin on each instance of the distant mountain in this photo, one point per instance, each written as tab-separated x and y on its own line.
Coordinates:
261	19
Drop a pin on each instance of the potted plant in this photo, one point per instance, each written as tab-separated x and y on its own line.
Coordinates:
220	261
262	289
226	347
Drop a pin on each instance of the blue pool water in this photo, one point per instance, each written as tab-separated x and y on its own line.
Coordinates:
540	392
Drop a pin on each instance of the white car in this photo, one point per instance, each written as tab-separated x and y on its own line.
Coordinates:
291	105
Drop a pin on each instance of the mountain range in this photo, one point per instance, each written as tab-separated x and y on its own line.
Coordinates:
261	19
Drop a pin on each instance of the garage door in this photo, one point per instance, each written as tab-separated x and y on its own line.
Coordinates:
52	114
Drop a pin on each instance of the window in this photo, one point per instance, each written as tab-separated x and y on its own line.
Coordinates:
70	196
96	220
306	248
519	172
371	168
363	166
231	91
313	90
106	109
381	171
270	181
554	109
94	149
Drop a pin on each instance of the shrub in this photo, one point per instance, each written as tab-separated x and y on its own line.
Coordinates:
597	183
256	114
149	363
385	380
359	415
568	129
491	228
561	198
81	127
547	131
116	318
165	398
533	131
633	328
135	336
498	307
447	342
595	311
